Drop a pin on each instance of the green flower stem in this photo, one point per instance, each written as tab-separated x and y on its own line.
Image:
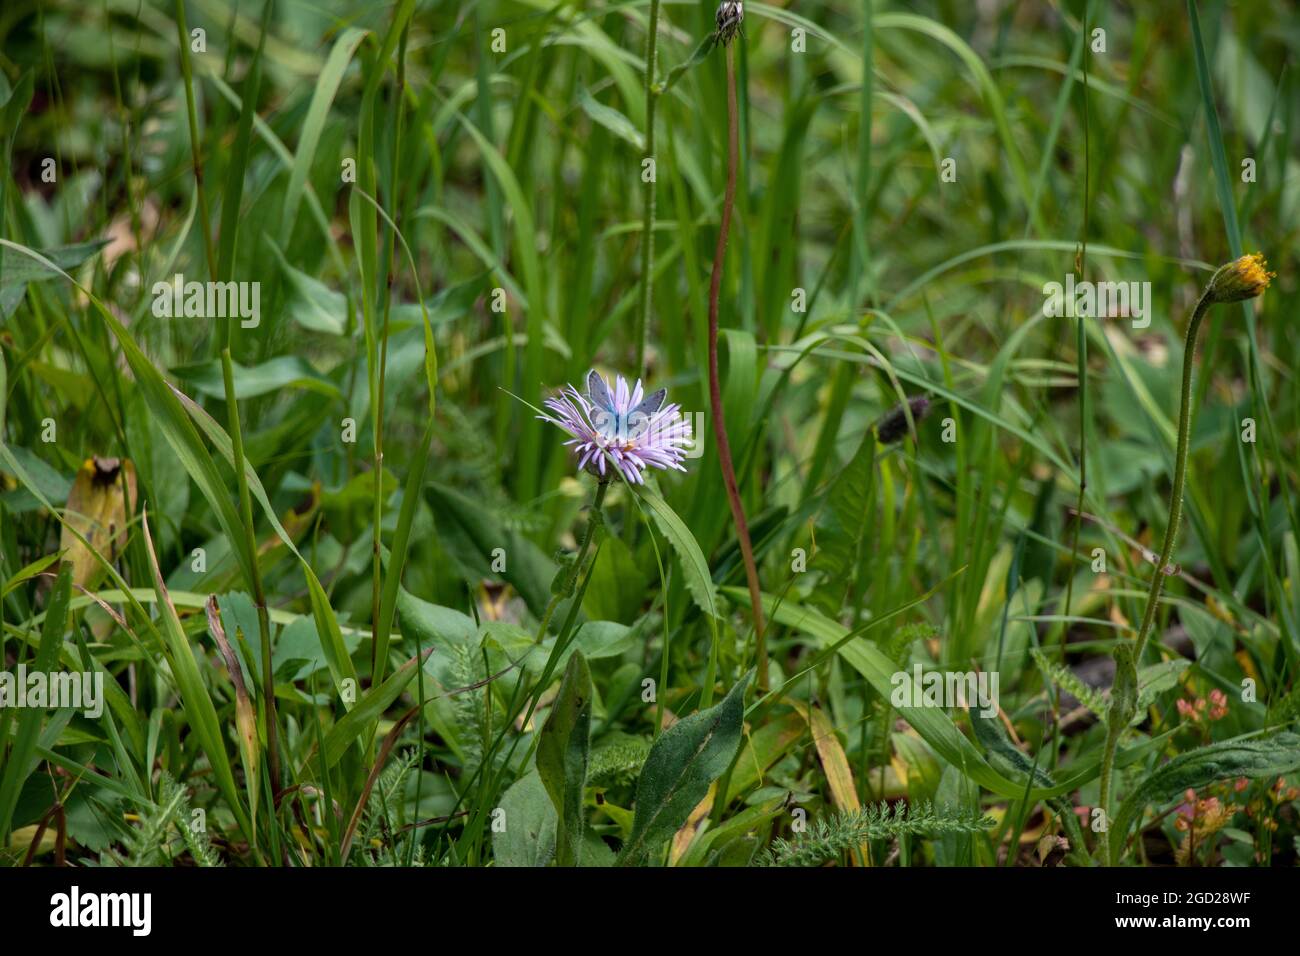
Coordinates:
483	779
1180	476
597	518
1120	712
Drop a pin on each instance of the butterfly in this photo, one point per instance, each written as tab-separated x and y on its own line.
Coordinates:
612	415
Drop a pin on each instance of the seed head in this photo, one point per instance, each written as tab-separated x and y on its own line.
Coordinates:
731	13
892	426
1240	279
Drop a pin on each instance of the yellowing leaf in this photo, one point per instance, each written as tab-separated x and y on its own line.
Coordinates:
97	510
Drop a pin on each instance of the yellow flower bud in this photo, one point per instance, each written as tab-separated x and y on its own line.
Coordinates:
1240	279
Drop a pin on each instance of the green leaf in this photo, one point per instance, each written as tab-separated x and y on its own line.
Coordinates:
695	568
369	709
1155	679
562	751
528	569
49	483
701	53
612	120
843	523
1239	757
327	625
312	304
683	762
932	723
528	837
432	626
16	103
195	698
22	758
19	270
327	85
285	371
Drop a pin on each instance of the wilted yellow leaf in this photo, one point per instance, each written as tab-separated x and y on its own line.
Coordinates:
97	510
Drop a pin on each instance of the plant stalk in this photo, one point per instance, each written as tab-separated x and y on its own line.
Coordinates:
259	592
1118	721
715	389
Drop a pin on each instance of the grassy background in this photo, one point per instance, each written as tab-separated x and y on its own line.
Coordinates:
285	153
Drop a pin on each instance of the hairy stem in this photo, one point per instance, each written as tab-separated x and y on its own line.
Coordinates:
1180	476
1117	722
715	390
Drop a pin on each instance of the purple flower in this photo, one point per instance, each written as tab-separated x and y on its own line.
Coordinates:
620	425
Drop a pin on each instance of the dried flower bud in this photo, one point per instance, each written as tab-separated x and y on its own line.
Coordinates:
1240	279
892	426
730	15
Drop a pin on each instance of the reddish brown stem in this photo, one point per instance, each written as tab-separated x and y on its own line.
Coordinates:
715	390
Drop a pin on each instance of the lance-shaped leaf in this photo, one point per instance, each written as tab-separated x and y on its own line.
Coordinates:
683	762
368	709
843	525
245	716
195	699
695	569
562	752
1256	757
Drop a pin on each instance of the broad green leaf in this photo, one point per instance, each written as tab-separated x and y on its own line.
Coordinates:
313	305
51	485
527	568
684	761
528	837
19	270
273	375
562	751
1239	757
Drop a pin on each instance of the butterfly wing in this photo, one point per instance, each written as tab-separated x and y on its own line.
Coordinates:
604	416
639	417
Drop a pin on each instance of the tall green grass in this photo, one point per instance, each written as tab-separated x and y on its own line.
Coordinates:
455	649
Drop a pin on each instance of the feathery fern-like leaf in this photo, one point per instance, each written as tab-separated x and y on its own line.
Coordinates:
830	837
